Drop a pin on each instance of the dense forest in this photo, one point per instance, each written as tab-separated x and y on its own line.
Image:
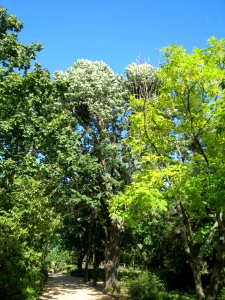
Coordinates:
113	176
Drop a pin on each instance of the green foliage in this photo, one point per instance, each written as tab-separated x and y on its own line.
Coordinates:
59	258
174	134
23	270
97	100
29	121
177	295
147	286
12	53
24	229
177	141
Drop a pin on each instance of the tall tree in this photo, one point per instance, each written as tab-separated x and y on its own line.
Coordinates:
178	137
97	99
30	121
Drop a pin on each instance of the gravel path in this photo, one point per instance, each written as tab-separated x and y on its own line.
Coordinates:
64	287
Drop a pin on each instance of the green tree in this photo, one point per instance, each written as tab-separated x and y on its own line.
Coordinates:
97	99
177	136
13	54
29	124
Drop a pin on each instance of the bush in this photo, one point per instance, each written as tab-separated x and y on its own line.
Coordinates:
23	270
147	286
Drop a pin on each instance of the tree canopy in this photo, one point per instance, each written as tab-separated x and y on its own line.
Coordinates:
177	138
128	167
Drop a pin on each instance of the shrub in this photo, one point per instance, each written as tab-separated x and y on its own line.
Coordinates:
147	286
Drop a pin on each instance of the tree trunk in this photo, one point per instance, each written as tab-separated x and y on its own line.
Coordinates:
95	269
112	255
86	270
198	281
214	283
96	260
79	262
220	260
186	233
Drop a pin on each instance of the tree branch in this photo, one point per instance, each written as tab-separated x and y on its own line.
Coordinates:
145	129
208	240
196	141
185	231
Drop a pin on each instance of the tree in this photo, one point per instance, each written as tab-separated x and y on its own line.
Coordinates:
13	54
142	80
29	124
97	99
177	136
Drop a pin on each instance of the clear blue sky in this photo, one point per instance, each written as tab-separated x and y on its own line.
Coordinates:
115	31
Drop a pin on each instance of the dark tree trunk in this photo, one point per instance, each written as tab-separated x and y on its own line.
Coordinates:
79	262
112	255
96	259
220	261
186	233
214	283
96	263
95	269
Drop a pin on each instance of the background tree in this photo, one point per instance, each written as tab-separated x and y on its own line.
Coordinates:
142	80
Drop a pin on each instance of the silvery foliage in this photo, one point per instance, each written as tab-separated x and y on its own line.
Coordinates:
142	79
94	85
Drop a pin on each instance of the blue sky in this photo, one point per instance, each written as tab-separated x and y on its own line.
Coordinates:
118	32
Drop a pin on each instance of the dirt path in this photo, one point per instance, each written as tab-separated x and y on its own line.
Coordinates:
65	287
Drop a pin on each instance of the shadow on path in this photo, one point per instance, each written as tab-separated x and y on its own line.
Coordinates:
65	287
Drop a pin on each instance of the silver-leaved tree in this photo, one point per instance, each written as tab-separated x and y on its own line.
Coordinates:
98	101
